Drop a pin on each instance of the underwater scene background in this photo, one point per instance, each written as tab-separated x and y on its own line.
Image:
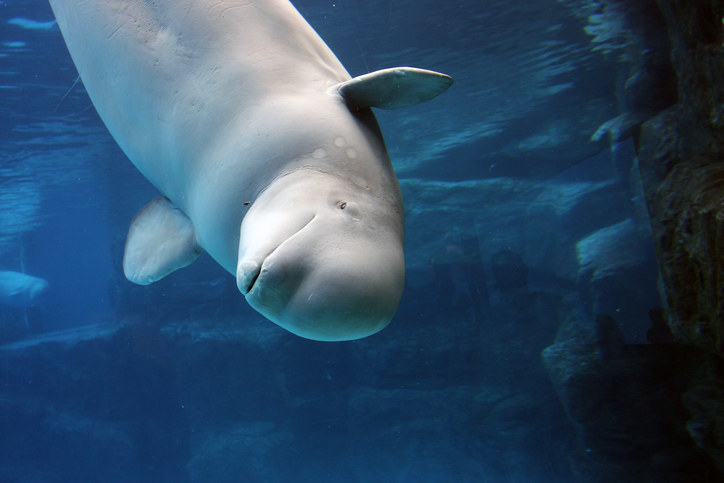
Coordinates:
532	342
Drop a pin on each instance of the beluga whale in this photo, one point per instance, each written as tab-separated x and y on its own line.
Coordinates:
19	289
265	149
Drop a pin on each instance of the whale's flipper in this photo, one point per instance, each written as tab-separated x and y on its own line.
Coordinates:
161	239
393	88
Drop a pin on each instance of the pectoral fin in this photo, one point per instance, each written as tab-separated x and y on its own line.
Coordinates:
161	239
393	88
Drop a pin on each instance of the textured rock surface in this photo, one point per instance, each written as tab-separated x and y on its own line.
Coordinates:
541	221
609	260
682	168
626	404
654	413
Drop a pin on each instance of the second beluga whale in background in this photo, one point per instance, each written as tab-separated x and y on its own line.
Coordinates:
266	151
21	290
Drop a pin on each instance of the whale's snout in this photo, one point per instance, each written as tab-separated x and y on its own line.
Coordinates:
335	295
322	257
247	272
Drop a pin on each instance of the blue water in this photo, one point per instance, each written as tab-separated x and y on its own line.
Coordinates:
505	197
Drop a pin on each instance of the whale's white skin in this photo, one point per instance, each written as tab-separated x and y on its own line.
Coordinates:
267	153
21	290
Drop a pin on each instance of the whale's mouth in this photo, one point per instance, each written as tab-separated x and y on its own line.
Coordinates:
254	278
254	270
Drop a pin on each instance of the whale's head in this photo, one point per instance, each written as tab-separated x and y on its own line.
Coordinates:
322	255
21	290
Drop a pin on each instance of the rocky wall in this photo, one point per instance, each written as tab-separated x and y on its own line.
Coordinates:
682	166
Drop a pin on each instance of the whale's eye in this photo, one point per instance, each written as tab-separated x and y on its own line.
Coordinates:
342	205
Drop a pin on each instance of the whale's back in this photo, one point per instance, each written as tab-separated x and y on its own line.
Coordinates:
168	76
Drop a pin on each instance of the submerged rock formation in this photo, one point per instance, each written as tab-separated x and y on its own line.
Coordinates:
631	405
682	167
216	399
655	413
